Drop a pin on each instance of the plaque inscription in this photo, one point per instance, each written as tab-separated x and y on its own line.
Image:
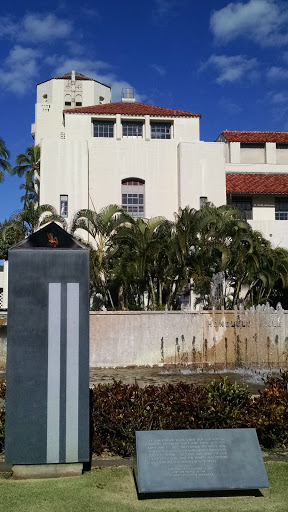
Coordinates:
190	460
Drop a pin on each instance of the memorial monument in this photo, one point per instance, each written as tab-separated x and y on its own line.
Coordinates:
47	401
183	461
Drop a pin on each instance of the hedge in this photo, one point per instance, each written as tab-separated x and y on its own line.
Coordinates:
118	410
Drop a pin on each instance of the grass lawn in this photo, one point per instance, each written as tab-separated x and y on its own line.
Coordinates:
113	490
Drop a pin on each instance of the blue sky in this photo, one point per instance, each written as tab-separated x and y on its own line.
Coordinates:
229	62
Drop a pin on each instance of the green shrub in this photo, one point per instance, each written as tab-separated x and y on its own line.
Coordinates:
119	410
269	412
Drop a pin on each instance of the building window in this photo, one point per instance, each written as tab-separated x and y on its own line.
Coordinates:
64	206
133	193
132	129
78	100
161	130
281	208
252	145
67	100
103	128
244	204
203	201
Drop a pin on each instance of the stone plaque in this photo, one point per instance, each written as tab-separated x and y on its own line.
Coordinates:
199	460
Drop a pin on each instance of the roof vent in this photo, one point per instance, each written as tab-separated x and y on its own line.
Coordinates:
128	95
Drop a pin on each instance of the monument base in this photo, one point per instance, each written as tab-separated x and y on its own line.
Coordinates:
25	471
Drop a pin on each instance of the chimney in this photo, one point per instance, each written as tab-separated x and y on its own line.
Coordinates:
73	76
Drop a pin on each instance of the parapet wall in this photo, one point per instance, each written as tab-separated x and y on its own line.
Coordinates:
221	339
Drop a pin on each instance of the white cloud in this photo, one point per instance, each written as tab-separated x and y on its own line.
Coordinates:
101	71
163	7
90	12
262	21
279	98
277	73
8	27
232	69
229	106
19	70
159	69
36	28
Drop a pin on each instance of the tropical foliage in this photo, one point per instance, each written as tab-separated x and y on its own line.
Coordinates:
32	217
118	410
4	164
138	263
10	234
28	165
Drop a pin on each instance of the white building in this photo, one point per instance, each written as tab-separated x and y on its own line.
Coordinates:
257	180
148	159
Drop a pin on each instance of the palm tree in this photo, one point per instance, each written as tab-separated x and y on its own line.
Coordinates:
11	232
100	227
4	164
33	217
28	165
224	244
139	244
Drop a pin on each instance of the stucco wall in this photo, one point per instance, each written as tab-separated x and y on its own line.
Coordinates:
64	171
274	230
282	156
219	339
252	155
154	161
201	171
49	111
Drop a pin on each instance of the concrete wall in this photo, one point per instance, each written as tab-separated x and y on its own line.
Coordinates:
282	156
269	155
255	338
274	230
252	155
64	171
201	172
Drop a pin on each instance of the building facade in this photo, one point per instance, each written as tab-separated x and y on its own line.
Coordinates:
256	167
150	160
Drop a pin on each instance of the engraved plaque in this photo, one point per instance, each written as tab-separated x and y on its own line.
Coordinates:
199	460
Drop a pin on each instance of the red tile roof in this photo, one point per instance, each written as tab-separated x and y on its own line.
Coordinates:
131	109
246	183
78	76
235	136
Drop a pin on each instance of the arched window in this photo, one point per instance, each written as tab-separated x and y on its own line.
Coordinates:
78	100
67	100
133	194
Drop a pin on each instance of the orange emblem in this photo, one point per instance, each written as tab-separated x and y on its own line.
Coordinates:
51	240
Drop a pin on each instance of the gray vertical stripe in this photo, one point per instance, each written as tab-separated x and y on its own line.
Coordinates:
72	372
53	380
